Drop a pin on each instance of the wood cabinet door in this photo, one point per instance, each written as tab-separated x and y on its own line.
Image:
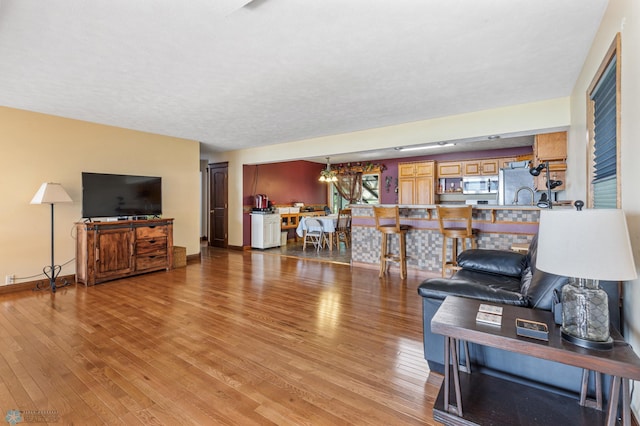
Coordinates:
450	169
471	168
406	170
114	252
540	181
406	190
424	190
504	162
489	167
551	146
424	168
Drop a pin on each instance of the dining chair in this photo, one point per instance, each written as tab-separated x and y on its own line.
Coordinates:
314	233
343	228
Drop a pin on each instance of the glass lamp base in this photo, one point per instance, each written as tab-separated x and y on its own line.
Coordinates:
585	343
585	314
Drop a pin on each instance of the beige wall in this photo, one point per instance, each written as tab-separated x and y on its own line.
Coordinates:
531	118
37	148
621	16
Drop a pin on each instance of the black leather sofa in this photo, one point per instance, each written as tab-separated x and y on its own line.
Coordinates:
505	277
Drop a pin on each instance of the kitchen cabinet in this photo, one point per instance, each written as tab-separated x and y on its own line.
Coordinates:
540	181
550	146
265	230
483	167
416	182
504	162
449	169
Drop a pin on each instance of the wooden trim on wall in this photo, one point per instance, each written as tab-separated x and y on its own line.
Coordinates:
42	284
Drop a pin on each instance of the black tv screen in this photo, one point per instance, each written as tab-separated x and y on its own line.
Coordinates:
107	195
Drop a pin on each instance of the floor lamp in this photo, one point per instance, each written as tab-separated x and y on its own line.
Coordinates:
51	193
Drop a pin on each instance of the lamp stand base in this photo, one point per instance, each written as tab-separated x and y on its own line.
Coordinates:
51	272
585	343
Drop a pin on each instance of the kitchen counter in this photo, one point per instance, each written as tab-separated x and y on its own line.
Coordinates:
499	227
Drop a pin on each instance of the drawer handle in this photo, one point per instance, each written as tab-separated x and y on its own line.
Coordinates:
152	241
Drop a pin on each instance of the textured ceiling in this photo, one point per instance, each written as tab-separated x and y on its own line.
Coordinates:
283	70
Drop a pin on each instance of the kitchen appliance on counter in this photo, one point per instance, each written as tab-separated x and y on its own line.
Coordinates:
261	201
480	185
516	187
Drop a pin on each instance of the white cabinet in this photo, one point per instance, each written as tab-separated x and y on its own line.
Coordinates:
265	230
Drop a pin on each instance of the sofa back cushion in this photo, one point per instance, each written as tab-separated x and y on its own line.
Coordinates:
502	262
536	285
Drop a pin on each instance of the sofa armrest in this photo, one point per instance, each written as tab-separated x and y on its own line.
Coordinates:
475	285
502	262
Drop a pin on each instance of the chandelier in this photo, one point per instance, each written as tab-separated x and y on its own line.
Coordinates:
328	175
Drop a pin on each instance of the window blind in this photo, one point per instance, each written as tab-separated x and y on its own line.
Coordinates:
605	167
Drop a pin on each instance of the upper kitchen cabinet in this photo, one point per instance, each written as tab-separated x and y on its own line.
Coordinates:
483	167
504	162
416	182
550	147
449	169
540	181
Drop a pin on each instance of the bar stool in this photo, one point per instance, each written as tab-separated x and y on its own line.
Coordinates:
458	221
386	230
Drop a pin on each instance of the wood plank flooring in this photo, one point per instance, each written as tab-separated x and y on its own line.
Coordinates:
242	338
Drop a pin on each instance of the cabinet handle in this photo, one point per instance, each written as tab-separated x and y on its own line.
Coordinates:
152	241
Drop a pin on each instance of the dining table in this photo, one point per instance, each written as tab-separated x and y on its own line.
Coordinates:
328	222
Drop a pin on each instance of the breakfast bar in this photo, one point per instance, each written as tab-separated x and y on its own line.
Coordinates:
499	227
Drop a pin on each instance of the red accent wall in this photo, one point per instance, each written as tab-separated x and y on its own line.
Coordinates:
284	183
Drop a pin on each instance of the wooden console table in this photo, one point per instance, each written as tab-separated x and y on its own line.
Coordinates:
111	250
490	400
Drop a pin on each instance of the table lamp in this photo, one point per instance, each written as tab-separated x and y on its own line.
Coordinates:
587	246
51	193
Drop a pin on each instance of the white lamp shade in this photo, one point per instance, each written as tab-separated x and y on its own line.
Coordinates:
51	193
591	244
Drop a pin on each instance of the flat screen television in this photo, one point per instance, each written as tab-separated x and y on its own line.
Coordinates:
108	195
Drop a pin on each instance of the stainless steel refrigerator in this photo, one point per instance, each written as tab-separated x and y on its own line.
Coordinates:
516	181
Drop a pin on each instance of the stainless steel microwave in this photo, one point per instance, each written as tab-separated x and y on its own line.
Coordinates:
480	185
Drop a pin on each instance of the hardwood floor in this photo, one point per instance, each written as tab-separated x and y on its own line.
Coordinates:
242	338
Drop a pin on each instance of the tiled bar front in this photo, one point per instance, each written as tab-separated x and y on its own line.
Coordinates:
498	228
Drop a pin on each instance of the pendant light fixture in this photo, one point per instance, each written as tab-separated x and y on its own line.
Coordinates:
328	175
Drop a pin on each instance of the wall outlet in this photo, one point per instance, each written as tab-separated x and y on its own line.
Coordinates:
10	279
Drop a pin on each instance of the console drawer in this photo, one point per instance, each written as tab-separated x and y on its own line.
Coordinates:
152	231
151	262
152	246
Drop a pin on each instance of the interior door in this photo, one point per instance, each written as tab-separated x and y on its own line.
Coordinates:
218	205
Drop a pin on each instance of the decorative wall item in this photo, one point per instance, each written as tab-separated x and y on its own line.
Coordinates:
350	168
